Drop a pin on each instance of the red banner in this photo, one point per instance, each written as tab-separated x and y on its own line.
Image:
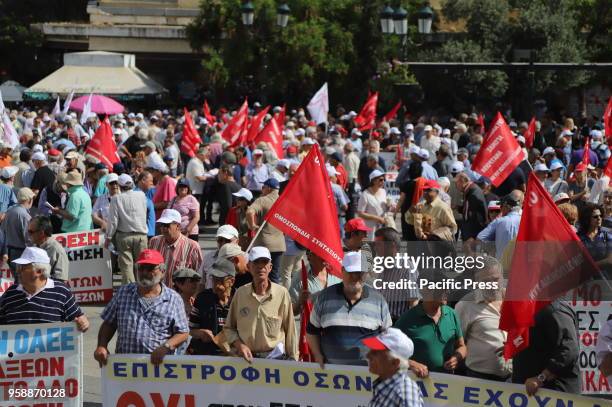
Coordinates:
102	145
530	133
255	124
236	129
190	138
367	116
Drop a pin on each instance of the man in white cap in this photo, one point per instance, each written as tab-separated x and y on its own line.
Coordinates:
260	319
37	298
388	358
282	169
178	250
256	173
225	234
344	314
430	142
127	226
7	196
541	172
355	141
15	226
505	228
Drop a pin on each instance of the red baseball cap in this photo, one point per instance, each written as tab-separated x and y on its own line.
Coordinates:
356	224
53	152
292	150
580	167
150	256
431	184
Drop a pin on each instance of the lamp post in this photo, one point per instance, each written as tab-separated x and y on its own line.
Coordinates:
282	15
425	17
400	21
247	12
386	20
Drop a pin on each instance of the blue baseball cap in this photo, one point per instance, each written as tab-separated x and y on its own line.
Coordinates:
272	183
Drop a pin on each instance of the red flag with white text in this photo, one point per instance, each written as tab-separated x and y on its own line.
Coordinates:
190	137
530	133
499	154
548	260
272	134
102	145
254	126
367	116
306	198
236	130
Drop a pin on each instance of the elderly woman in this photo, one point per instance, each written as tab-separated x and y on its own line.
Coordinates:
189	208
372	205
100	208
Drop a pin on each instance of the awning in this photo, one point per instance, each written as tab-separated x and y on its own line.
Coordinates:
89	72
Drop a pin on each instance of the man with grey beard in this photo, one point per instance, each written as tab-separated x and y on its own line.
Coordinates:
148	299
479	313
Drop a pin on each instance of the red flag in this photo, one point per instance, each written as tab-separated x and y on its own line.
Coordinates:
549	259
280	118
272	134
586	154
102	145
255	124
305	355
481	123
608	170
190	137
367	116
308	196
530	133
392	113
209	117
607	119
399	155
236	130
499	154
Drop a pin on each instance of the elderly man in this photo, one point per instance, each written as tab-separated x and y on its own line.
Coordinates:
270	237
44	177
430	142
479	313
200	181
40	230
148	316
176	248
38	299
145	184
433	219
260	318
345	313
225	234
7	196
504	229
436	330
77	214
257	173
474	207
388	359
15	226
127	226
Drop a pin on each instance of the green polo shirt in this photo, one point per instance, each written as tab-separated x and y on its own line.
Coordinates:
433	343
79	206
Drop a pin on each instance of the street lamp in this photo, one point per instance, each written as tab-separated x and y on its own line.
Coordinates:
282	15
248	13
386	20
400	21
425	16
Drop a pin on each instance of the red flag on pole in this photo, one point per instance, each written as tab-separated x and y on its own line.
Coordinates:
236	129
367	116
209	117
392	113
255	124
549	259
607	119
190	137
530	133
280	118
499	154
305	355
481	123
308	196
586	154
608	170
102	145
272	134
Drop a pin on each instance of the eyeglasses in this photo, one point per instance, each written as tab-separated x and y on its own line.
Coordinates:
596	216
30	231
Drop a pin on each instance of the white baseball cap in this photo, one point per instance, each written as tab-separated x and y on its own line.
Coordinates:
521	139
424	154
257	151
556	165
227	231
548	150
494	206
457	167
395	130
596	134
259	252
112	177
158	165
308	142
414	150
541	168
300	132
356	131
393	340
125	180
445	141
376	174
561	197
169	216
353	262
284	163
446	132
8	172
39	156
37	148
244	193
428	128
409	126
331	171
33	255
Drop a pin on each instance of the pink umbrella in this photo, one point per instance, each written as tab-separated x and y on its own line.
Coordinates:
99	104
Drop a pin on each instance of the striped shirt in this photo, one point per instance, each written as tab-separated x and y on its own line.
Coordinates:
341	325
184	252
54	303
397	391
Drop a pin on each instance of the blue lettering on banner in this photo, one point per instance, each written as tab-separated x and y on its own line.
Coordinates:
188	368
53	336
494	398
341	382
4	343
21	341
272	374
423	388
321	380
170	371
522	397
363	383
541	402
301	378
120	369
207	370
470	395
250	373
143	368
440	387
39	341
230	376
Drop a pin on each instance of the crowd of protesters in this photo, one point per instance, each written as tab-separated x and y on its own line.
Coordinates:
175	299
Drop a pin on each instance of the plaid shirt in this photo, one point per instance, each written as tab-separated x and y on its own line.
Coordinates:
144	326
184	252
397	391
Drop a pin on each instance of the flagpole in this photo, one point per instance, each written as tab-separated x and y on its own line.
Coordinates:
256	235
